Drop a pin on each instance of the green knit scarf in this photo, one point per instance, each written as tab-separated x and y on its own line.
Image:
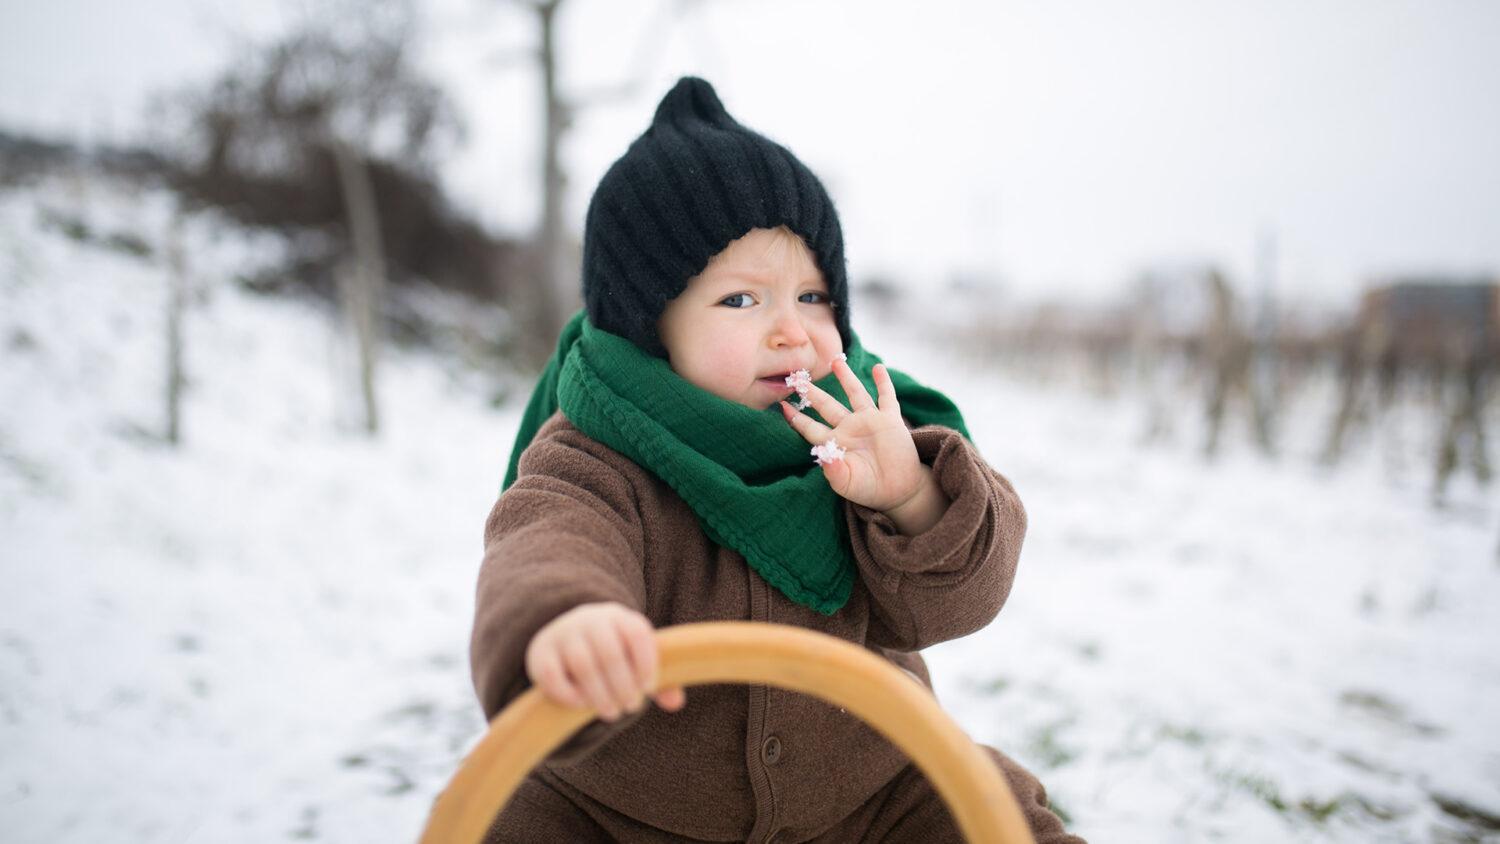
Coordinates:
750	478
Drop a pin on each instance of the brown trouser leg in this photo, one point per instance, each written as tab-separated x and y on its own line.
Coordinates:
905	811
538	812
909	810
545	809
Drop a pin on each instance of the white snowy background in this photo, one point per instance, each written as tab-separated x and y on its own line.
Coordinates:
1047	147
262	635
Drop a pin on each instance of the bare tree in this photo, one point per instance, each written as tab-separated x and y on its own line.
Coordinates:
361	285
1437	338
1228	356
1366	352
1463	422
339	92
1150	354
177	294
556	294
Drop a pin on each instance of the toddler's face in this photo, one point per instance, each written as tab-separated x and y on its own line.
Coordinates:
758	311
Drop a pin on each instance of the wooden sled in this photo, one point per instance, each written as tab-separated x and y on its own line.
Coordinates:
836	671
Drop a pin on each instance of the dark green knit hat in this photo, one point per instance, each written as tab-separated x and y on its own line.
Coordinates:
693	182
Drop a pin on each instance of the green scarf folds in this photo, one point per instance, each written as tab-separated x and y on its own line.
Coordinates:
750	478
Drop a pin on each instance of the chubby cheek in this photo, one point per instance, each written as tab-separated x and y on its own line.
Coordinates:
723	362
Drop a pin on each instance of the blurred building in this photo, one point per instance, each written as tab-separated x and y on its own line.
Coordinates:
1434	317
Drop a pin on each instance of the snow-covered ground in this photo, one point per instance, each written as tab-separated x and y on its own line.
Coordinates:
262	634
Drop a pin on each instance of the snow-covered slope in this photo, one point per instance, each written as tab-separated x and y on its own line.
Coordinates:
263	634
260	634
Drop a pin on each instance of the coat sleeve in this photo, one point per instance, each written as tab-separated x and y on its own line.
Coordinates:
952	579
567	532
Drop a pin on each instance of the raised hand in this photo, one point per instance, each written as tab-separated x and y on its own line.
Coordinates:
880	468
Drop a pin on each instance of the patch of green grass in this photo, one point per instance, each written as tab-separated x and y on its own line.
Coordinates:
1190	736
1378	706
993	686
421	711
400	782
1376	810
1486	819
1319	810
308	829
1373	703
1263	787
26	469
128	243
1044	745
1310	808
69	226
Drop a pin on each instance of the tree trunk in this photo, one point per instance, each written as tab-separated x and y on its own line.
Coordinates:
554	284
1263	381
176	304
360	287
555	293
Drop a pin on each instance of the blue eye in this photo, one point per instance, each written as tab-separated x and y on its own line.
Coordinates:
822	299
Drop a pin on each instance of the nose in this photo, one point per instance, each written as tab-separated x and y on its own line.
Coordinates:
787	328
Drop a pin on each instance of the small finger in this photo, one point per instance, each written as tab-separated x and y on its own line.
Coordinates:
616	668
548	675
887	389
859	397
811	429
640	641
827	406
581	663
672	699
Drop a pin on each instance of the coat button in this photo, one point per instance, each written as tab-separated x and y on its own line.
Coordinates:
770	752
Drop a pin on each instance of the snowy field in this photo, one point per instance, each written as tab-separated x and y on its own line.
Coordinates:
263	635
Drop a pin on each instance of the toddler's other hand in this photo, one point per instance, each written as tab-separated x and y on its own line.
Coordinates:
600	655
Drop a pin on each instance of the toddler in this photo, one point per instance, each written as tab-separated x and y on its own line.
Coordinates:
661	477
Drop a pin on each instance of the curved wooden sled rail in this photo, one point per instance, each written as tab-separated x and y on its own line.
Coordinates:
838	672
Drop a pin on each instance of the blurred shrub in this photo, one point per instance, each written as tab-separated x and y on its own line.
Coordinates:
256	142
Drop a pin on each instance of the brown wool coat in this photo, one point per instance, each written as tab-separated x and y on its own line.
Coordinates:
583	523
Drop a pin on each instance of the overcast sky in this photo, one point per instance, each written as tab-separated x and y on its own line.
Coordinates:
1056	146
